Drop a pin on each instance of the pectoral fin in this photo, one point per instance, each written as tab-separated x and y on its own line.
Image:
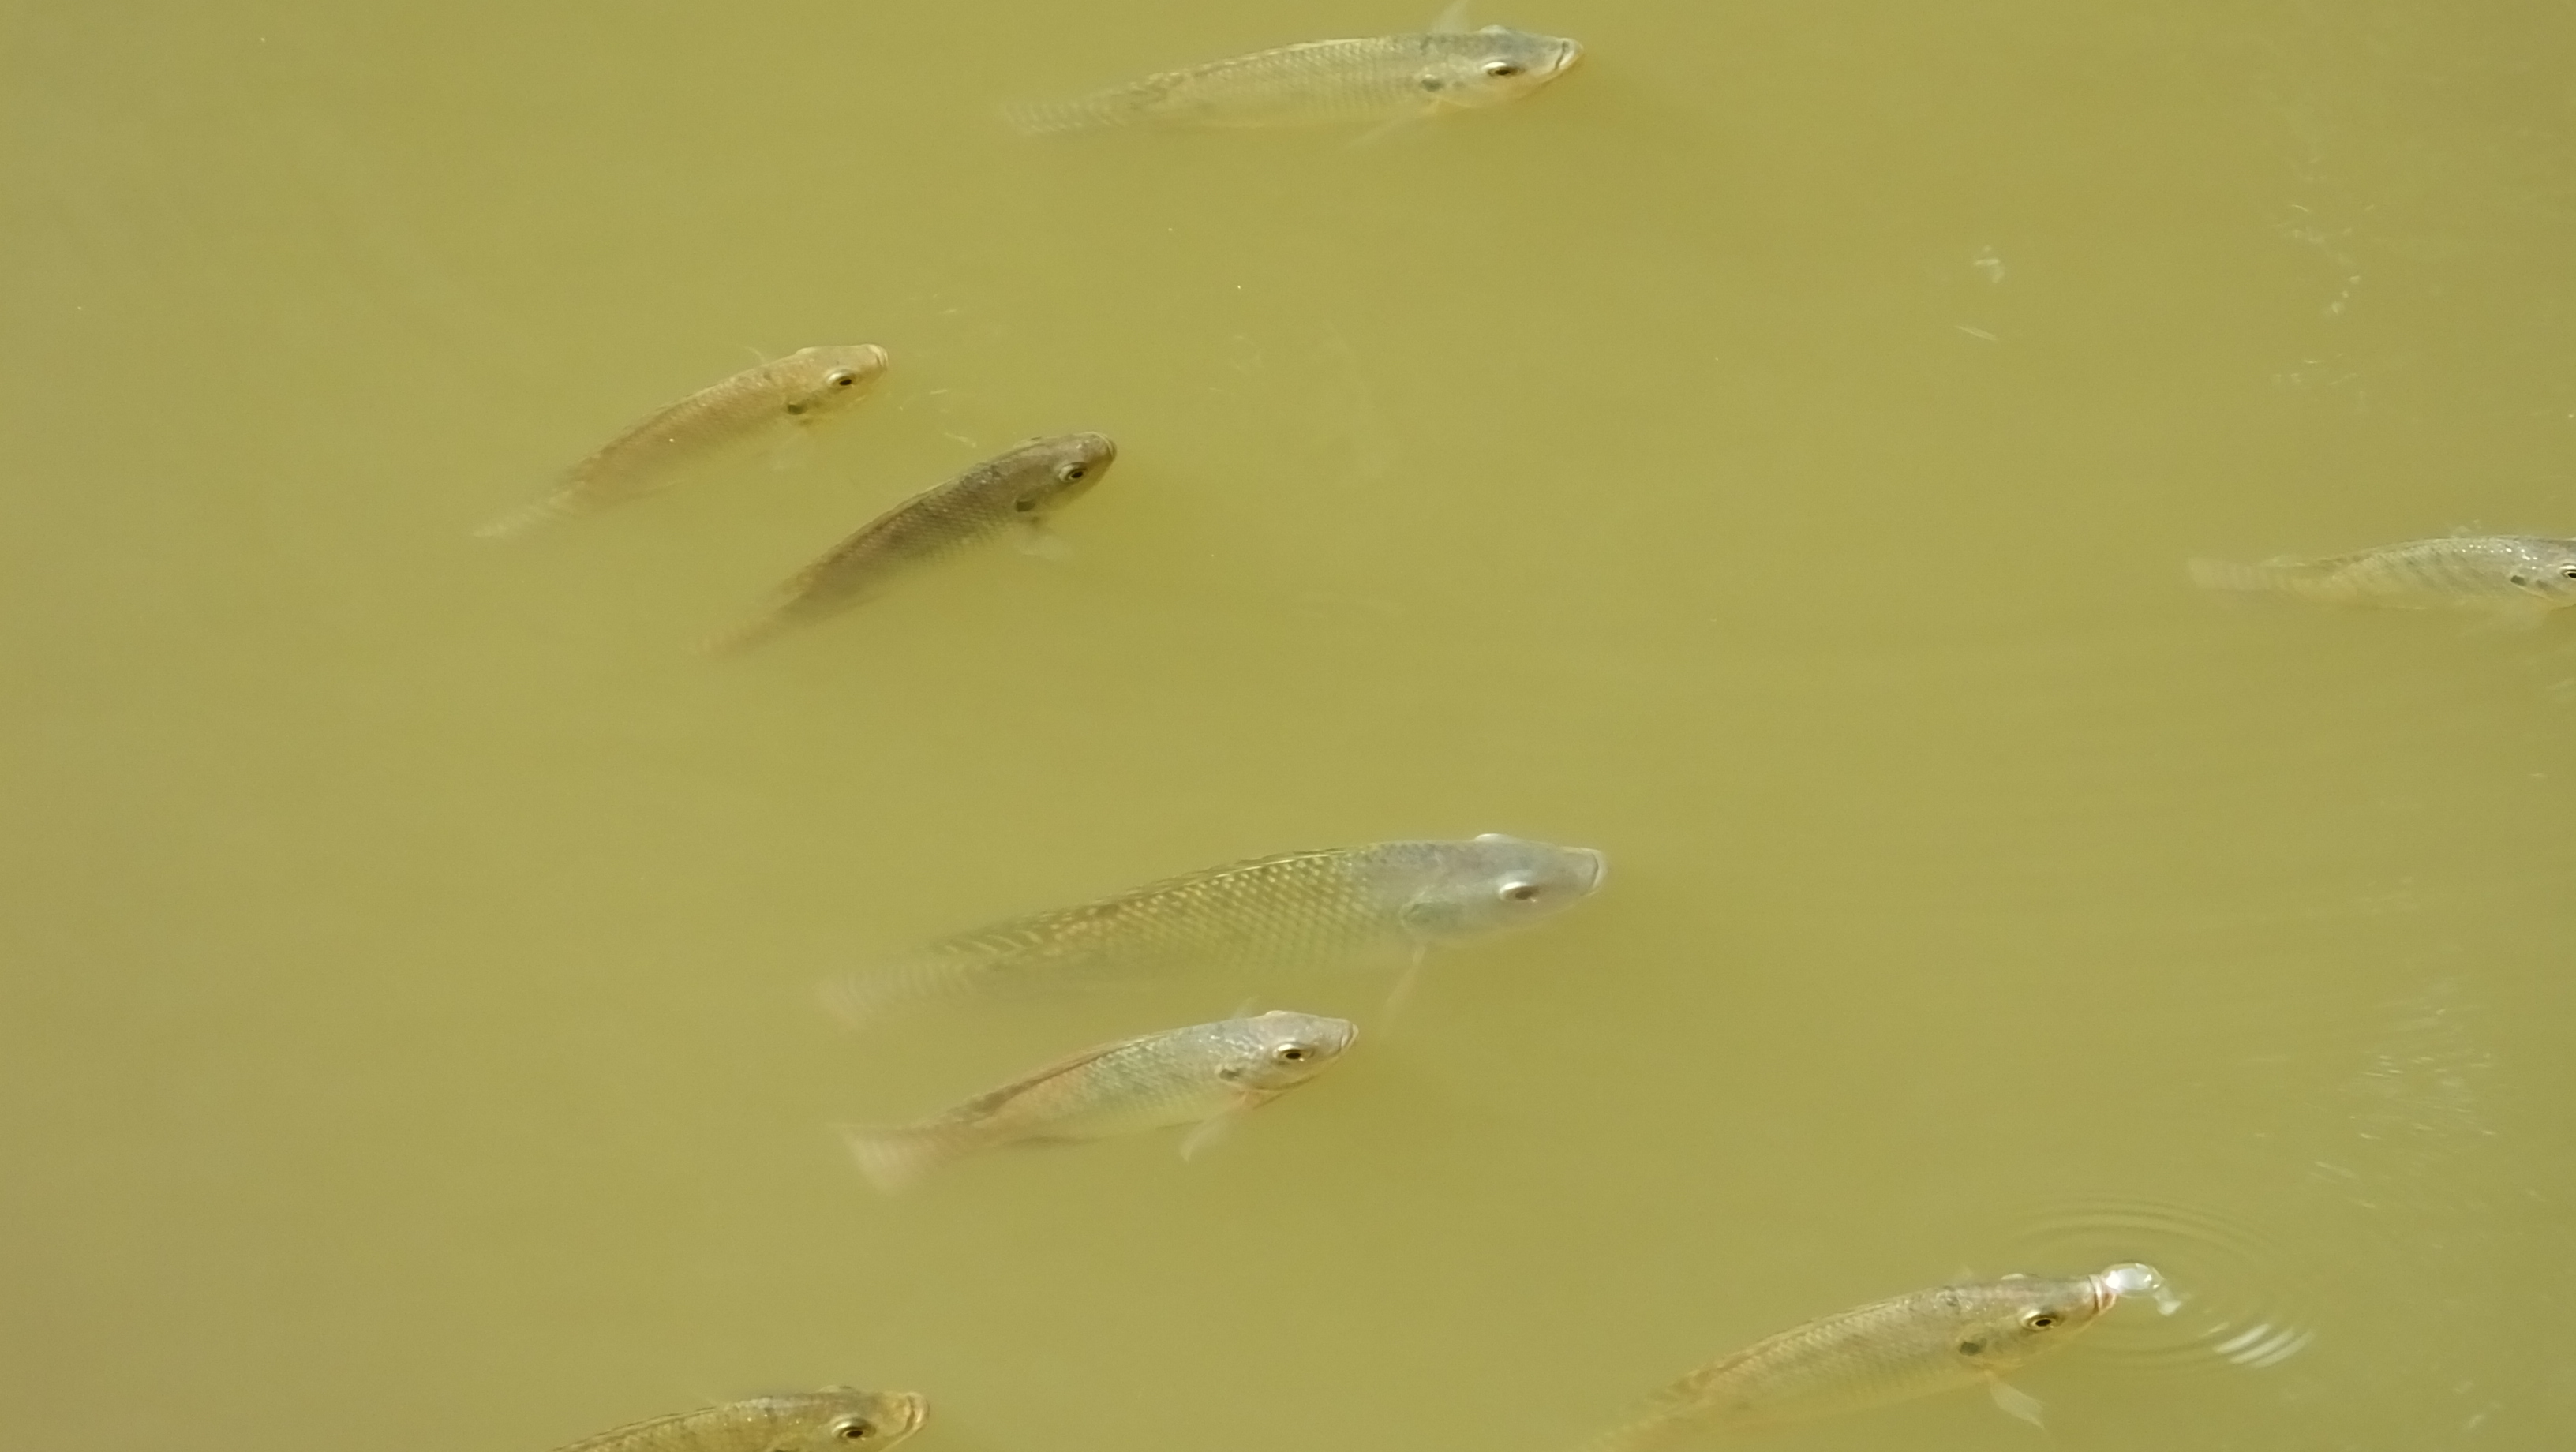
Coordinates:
1402	994
793	446
2517	617
2017	1402
1036	539
1209	1130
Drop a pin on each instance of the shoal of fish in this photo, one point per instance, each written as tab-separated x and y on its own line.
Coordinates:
1388	904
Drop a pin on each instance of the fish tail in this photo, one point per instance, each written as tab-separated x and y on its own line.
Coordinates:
525	518
858	999
742	637
893	1159
1058	118
2223	575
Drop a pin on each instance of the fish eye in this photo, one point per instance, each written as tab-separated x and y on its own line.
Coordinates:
843	378
853	1429
1501	68
2567	572
1072	473
1291	1053
1519	892
2038	1320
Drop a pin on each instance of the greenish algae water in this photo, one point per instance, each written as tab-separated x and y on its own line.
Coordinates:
1768	455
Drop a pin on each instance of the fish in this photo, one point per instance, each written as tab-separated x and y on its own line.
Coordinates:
1887	1351
1017	489
1202	1075
1382	78
1386	902
831	1420
799	390
2511	573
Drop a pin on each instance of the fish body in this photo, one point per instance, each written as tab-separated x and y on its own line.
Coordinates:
1388	901
801	389
2492	572
1188	1075
1887	1351
1014	490
1377	78
835	1419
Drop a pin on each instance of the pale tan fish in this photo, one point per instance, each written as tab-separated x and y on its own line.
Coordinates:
1389	902
835	1419
1015	490
1379	78
799	390
1887	1351
1200	1075
2512	573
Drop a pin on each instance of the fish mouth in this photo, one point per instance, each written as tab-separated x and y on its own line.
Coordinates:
916	1410
2126	1278
2105	1293
1599	865
1571	51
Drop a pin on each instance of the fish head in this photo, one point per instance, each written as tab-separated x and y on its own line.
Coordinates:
2001	1324
1053	472
841	1418
1496	64
2547	569
1497	882
819	380
1280	1050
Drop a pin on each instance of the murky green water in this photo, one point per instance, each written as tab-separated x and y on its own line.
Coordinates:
1768	455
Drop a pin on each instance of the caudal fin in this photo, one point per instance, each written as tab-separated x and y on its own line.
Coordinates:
526	517
894	1158
2223	575
742	637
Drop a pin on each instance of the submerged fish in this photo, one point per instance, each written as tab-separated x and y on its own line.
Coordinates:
802	388
1018	489
1886	1351
2493	572
1199	1075
1380	78
831	1420
1391	901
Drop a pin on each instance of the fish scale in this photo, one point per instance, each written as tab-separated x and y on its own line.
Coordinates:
1389	901
1320	81
1886	1351
1187	1075
802	388
2473	572
1015	489
834	1419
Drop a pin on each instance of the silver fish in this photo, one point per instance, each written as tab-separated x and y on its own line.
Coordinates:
2491	572
1390	901
1378	78
1198	1075
835	1419
1018	489
803	388
1887	1351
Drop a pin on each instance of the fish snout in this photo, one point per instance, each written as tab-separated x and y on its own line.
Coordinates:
1597	868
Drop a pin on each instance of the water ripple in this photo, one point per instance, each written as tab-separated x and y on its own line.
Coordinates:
2230	1296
